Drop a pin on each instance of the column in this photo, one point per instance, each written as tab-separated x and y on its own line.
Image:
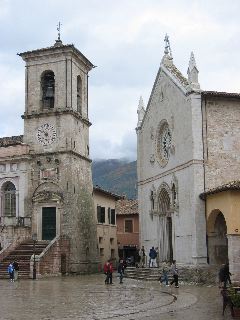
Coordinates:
234	256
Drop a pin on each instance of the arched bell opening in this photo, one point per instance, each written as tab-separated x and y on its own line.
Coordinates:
48	89
79	94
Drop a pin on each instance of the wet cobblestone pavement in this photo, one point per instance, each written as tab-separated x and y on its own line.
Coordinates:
88	298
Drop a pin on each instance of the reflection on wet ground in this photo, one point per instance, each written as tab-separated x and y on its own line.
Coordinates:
88	298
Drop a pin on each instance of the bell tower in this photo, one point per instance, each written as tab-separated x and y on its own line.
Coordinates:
56	93
56	128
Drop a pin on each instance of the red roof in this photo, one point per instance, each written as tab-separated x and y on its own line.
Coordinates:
126	207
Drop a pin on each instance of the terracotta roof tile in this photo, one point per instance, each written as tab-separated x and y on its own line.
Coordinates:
232	185
221	94
11	141
106	192
125	207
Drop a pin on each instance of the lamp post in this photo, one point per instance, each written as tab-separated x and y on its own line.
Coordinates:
34	238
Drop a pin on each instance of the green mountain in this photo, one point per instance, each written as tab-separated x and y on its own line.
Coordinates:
117	176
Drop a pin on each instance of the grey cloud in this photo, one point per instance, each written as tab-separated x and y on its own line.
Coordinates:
125	40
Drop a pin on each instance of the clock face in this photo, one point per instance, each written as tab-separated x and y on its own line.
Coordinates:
46	134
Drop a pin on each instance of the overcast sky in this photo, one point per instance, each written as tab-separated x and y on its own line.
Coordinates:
125	40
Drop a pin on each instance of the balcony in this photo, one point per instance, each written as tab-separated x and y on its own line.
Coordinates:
15	221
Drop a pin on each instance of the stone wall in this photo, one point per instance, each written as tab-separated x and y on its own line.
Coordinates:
14	151
234	256
222	141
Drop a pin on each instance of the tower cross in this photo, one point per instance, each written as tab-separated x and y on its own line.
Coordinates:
167	46
59	29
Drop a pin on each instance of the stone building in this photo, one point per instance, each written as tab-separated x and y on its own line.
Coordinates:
188	152
128	228
105	210
45	175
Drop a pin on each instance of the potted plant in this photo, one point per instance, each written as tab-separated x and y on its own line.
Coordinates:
235	299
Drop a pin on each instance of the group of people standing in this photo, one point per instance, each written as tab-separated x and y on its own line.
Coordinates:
13	269
108	270
154	262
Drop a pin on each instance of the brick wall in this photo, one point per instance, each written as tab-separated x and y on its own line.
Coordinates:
52	260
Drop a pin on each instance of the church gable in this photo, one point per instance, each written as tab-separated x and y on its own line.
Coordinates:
167	134
169	82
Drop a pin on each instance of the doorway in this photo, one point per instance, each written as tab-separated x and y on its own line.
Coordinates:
170	245
165	227
48	223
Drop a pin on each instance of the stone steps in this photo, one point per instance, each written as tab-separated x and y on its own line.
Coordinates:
22	255
147	274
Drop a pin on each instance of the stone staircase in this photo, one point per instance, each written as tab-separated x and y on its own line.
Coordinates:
187	274
22	255
148	274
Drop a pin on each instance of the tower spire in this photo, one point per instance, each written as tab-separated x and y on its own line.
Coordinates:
193	73
140	112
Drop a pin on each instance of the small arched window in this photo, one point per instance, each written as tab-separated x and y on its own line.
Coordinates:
9	199
48	89
79	94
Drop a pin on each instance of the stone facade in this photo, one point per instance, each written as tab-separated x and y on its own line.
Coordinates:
105	210
188	146
171	213
53	170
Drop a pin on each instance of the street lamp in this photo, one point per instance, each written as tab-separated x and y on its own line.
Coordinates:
34	238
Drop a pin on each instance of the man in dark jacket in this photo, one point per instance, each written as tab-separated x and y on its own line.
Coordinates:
224	275
152	256
121	271
16	270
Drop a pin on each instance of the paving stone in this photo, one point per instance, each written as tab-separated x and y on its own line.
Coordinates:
88	298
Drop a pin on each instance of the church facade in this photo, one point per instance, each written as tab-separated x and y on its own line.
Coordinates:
188	151
45	175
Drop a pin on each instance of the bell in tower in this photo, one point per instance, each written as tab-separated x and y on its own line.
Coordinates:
48	84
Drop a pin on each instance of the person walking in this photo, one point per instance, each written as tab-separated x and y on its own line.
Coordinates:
175	274
164	276
152	256
142	256
16	270
121	271
108	270
11	271
224	276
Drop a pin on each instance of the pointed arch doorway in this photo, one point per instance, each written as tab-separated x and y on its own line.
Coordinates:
165	227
